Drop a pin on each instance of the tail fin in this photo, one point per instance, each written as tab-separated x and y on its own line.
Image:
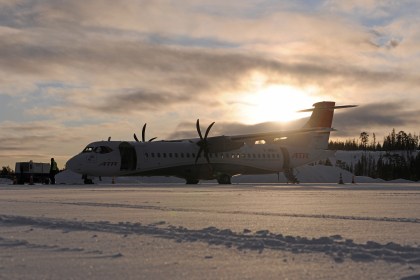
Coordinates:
322	114
322	117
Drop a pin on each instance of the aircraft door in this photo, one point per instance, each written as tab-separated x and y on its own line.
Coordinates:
286	158
287	167
128	157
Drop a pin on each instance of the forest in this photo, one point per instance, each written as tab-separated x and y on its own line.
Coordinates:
396	157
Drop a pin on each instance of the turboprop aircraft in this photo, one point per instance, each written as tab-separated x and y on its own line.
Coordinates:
216	157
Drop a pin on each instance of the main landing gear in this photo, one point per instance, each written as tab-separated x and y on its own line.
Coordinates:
192	181
224	179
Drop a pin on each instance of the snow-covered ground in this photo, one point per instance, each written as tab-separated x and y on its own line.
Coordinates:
4	181
208	231
305	174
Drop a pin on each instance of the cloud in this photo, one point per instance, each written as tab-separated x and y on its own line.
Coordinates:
184	76
109	53
377	117
140	100
187	130
90	68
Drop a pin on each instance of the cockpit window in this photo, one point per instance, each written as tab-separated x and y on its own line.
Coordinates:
102	150
88	149
98	149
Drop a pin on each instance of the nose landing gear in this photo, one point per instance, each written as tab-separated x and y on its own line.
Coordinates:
87	180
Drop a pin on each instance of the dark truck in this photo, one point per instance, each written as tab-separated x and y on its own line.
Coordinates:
32	172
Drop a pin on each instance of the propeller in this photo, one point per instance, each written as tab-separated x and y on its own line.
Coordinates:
143	135
203	143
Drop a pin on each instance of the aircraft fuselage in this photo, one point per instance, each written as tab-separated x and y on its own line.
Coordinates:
217	157
166	158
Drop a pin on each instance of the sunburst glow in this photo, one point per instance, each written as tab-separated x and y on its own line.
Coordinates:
276	103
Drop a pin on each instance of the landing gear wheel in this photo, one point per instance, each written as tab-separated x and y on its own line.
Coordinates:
192	181
86	180
224	179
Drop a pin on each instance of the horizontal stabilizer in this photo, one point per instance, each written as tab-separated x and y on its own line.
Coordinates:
327	108
322	114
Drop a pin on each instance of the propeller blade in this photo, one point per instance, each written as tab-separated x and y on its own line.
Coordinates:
208	130
197	124
143	133
150	140
135	138
203	143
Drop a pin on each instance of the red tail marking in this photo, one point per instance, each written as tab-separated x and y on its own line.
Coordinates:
322	115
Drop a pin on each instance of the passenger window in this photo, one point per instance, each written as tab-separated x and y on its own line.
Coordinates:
188	155
176	155
182	155
153	154
158	155
170	155
164	155
146	155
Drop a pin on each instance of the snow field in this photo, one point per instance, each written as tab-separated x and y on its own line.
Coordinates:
315	231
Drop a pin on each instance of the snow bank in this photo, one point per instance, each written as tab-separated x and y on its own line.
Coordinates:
305	174
4	181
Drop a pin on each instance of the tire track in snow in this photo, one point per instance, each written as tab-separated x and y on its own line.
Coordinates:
336	247
12	243
292	215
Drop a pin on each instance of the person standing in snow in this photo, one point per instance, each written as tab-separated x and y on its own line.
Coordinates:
53	171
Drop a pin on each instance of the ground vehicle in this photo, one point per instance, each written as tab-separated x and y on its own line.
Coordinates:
39	172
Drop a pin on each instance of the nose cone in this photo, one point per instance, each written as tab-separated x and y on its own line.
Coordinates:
74	164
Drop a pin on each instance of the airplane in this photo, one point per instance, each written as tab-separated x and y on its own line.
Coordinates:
215	157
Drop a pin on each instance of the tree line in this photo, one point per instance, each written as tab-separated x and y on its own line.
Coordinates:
400	141
387	166
7	172
399	158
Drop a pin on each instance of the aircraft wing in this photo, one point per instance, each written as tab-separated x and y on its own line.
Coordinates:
277	134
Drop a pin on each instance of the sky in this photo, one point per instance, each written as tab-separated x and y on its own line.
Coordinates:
73	72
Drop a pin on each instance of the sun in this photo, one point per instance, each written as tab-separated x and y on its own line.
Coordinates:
277	103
